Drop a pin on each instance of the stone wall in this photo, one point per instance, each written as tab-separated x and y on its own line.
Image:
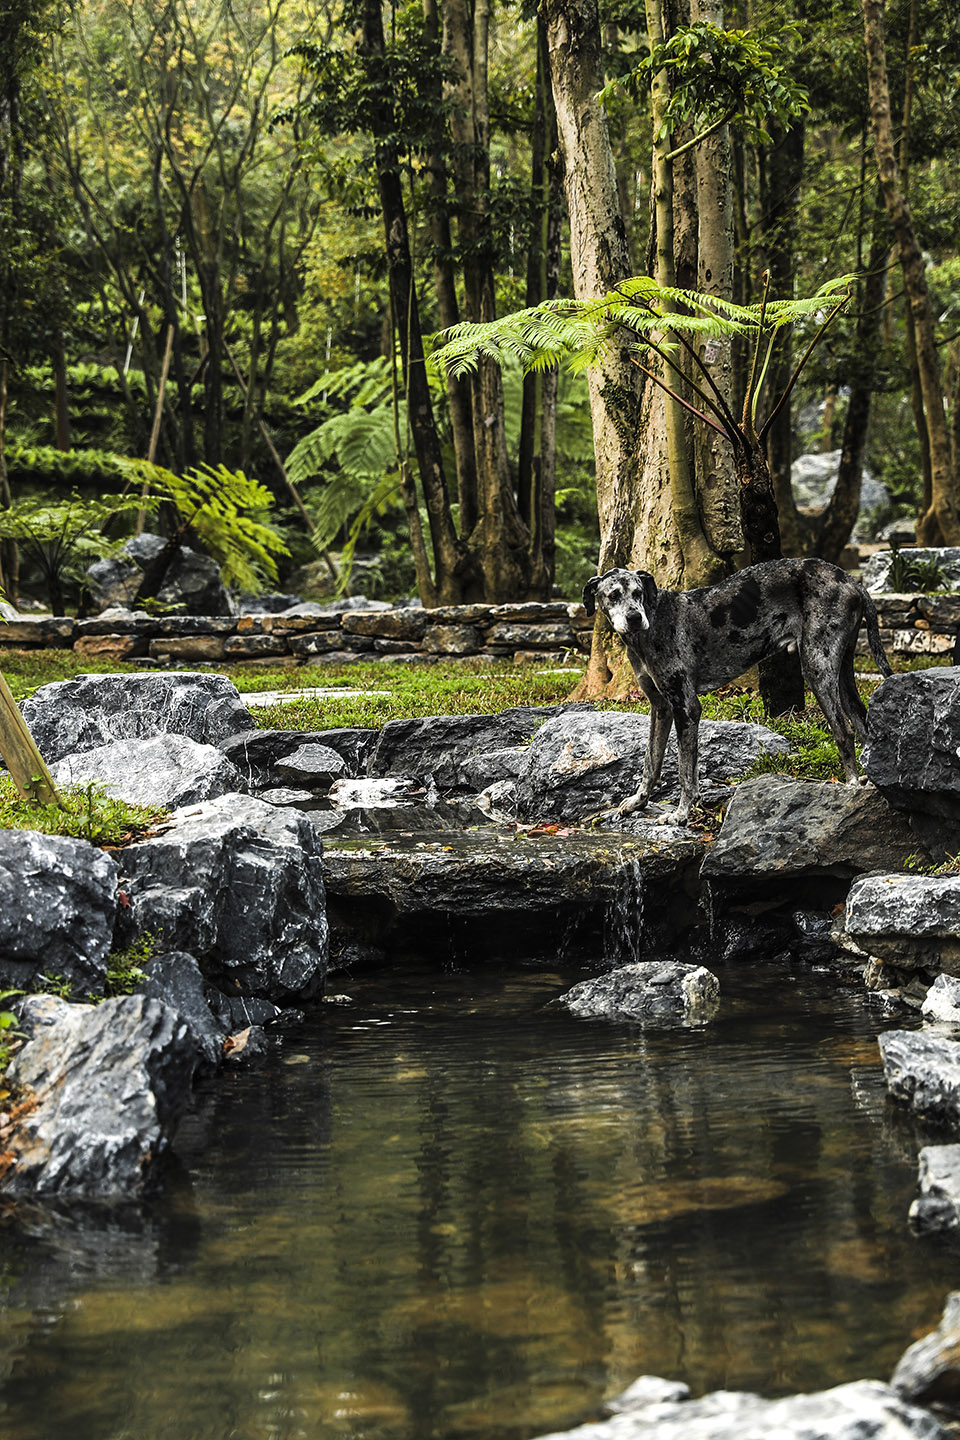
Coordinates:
909	625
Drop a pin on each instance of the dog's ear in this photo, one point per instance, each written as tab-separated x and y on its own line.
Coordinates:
589	594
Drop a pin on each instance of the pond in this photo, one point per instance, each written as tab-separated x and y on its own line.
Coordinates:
445	1209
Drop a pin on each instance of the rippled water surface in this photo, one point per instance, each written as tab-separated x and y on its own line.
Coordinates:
444	1210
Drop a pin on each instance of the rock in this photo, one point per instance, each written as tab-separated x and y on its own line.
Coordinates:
863	1410
942	1003
269	603
491	767
166	770
192	580
106	1085
647	1390
912	921
237	883
923	1069
814	478
436	745
914	741
582	761
779	827
313	765
57	906
259	754
876	571
936	1210
175	979
648	990
928	1373
94	710
452	639
238	1012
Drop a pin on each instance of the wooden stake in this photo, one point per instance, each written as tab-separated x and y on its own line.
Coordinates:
20	754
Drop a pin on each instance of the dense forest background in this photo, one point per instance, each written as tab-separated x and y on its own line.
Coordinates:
231	233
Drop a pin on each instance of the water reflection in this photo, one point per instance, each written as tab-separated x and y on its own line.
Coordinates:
469	1215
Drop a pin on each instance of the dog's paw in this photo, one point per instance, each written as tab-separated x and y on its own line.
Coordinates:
674	817
632	804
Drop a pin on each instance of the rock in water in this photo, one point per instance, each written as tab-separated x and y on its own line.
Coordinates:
924	1070
99	1091
239	884
929	1372
95	710
660	990
936	1209
57	906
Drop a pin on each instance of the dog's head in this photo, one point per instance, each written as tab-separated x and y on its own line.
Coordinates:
626	597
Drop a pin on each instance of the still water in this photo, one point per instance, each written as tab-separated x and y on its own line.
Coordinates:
444	1210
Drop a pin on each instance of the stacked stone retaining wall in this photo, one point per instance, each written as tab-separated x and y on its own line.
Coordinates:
555	631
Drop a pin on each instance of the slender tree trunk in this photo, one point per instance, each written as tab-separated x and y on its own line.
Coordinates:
941	522
600	258
836	524
451	563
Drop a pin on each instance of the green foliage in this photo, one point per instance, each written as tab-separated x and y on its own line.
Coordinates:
87	813
227	510
125	967
720	77
910	572
64	536
9	1034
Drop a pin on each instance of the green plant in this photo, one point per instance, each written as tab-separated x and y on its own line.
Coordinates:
87	813
125	967
8	1031
64	536
910	572
57	985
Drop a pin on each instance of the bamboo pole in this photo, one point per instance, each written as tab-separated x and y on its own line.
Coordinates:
20	753
155	431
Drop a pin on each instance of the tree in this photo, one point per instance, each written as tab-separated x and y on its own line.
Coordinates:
941	522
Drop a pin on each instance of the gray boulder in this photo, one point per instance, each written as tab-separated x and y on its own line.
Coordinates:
165	770
57	906
863	1410
649	990
175	979
912	921
929	1372
914	750
238	883
814	478
95	710
314	765
258	754
779	827
584	761
192	580
936	1210
437	745
923	1070
106	1085
942	1002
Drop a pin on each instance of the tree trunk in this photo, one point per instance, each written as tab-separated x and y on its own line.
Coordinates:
451	568
836	524
941	522
600	258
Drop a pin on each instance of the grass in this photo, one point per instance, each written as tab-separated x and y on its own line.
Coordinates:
88	813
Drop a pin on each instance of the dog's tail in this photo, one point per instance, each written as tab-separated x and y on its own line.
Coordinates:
872	623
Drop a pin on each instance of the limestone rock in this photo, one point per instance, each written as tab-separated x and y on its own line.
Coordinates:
436	745
914	750
57	905
238	883
942	1003
315	765
175	979
583	761
192	580
260	754
779	827
165	770
863	1410
912	921
929	1372
94	710
936	1210
107	1084
923	1069
649	990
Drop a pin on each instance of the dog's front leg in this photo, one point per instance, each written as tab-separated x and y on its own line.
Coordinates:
687	717
661	718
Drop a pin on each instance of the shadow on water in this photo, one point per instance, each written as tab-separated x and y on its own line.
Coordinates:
446	1209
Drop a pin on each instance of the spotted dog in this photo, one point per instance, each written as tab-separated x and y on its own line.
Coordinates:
683	643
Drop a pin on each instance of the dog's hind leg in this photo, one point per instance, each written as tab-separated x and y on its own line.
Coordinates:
826	688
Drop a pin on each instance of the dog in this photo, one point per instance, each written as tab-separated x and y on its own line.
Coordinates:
683	643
